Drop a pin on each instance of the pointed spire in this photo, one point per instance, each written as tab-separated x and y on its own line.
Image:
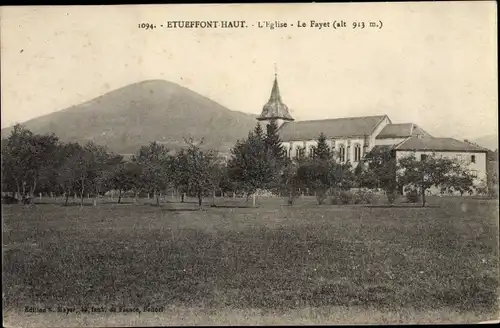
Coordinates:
275	92
275	108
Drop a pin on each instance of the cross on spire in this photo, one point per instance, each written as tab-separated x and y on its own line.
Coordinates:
275	70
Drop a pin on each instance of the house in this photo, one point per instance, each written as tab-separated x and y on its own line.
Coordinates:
473	157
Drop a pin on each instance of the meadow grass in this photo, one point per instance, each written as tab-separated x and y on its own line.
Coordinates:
272	261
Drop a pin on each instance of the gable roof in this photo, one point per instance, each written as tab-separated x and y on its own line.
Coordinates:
438	144
401	130
332	128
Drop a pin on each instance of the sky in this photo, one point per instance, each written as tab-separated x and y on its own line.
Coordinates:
433	64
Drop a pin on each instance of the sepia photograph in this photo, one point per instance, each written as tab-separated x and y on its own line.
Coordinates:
250	164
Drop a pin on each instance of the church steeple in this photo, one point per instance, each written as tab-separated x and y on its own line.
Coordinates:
275	109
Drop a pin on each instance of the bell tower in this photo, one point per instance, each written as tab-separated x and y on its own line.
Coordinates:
275	109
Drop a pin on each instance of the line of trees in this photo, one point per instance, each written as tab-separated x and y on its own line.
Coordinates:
33	164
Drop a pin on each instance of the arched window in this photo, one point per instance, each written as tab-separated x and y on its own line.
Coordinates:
312	151
357	153
342	153
302	152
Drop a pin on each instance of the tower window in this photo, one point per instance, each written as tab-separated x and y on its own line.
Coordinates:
473	158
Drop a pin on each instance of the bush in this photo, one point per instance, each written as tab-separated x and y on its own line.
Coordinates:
392	196
352	197
356	198
321	196
366	196
335	199
412	196
345	197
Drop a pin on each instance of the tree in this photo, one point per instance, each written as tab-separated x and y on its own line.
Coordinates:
315	172
289	184
26	158
461	183
180	179
322	150
100	165
248	166
258	132
492	173
126	176
200	169
156	171
275	155
74	173
492	180
341	176
447	173
272	141
8	178
67	176
224	182
381	172
219	178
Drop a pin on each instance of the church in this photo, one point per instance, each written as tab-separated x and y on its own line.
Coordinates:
353	137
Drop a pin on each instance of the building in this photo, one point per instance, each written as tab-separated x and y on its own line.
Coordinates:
351	138
472	156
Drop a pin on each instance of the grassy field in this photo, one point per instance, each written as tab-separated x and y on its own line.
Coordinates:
270	264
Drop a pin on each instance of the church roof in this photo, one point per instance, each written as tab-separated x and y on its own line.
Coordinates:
275	108
382	147
332	128
401	130
438	144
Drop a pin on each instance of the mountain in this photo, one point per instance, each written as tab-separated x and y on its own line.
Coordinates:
489	141
153	110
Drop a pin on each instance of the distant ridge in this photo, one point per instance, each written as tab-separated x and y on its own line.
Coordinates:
151	110
488	141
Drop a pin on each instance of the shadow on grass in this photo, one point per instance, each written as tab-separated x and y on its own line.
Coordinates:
90	204
230	206
180	202
180	209
402	206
